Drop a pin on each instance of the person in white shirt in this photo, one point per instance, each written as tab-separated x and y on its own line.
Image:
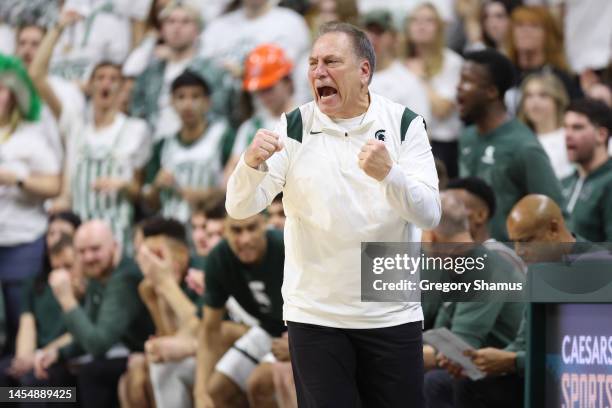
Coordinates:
439	68
187	165
98	35
151	97
29	174
106	151
350	173
7	38
214	9
542	107
588	37
267	79
392	79
29	38
401	8
229	38
495	23
150	44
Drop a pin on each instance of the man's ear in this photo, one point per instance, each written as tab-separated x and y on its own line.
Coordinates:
492	92
553	229
602	135
366	72
433	237
481	216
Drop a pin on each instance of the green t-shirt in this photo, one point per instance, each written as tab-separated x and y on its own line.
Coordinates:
589	203
112	312
511	160
257	288
489	323
47	312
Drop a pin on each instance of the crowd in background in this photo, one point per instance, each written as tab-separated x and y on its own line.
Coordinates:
122	121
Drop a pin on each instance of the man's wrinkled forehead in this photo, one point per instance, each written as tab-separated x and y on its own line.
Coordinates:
334	44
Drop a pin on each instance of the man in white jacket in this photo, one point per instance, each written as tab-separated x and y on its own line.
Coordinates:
353	167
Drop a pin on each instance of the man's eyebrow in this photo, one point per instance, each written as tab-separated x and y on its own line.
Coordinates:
324	57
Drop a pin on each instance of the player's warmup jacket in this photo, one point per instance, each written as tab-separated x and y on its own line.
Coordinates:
332	206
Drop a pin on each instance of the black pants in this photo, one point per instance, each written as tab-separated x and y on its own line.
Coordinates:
506	391
370	368
442	391
97	382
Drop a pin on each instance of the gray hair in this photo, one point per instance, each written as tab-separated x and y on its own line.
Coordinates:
454	218
362	47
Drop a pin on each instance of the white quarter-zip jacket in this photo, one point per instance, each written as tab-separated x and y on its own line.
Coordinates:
332	206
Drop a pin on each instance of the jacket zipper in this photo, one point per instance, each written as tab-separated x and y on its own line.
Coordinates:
575	194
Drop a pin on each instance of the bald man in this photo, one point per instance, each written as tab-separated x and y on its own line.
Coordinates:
480	324
537	218
111	321
533	219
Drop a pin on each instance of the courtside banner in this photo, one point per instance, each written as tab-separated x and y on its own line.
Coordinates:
490	272
578	347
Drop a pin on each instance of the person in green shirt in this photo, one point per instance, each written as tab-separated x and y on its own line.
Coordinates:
185	166
588	191
112	320
534	219
164	261
248	266
40	325
479	200
502	151
479	323
163	258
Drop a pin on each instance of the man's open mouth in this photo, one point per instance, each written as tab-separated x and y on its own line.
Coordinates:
326	92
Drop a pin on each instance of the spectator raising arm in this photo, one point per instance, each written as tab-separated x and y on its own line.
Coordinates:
40	65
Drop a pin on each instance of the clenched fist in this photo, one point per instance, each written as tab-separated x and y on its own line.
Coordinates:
264	145
61	285
374	159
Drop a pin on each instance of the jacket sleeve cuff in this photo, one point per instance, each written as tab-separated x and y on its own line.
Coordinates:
249	171
393	177
397	181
